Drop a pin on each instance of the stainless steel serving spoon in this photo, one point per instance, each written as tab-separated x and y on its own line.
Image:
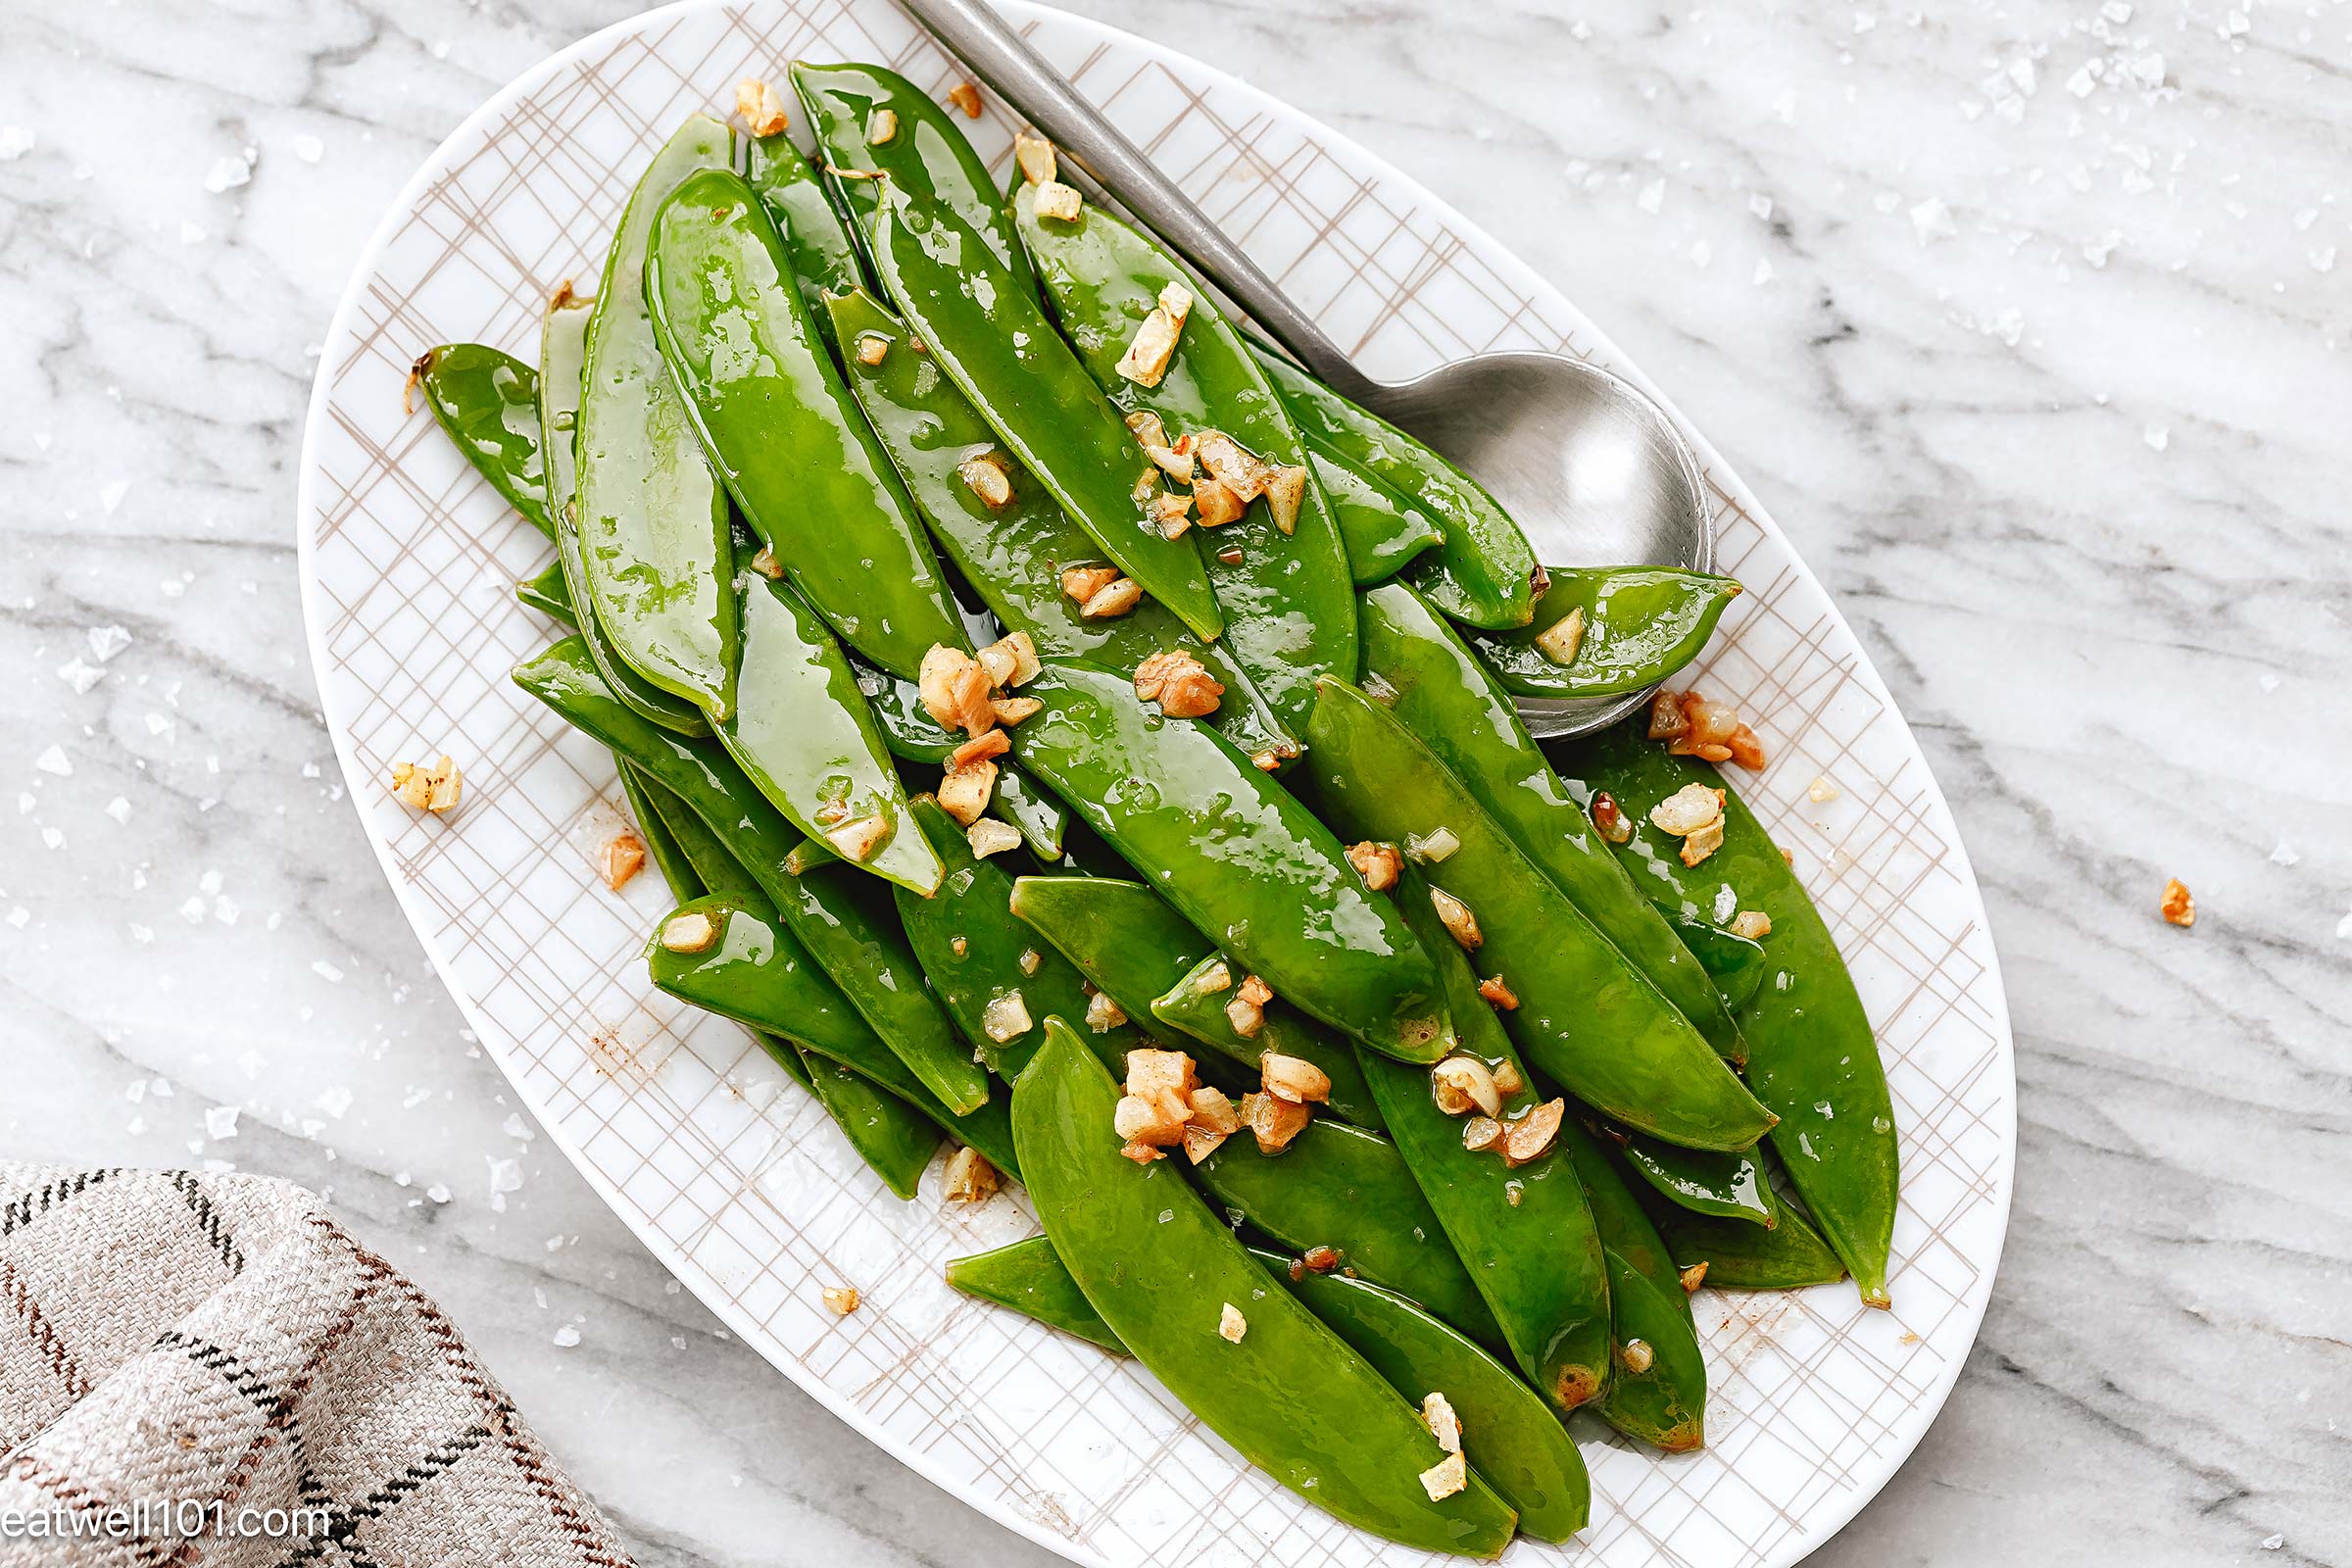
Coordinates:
1592	470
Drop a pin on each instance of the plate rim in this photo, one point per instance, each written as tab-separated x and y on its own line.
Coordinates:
1839	1508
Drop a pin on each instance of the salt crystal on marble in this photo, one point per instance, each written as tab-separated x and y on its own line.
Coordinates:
438	1193
326	971
309	148
334	1100
227	173
53	760
160	1087
108	641
1702	254
20	917
2270	681
2148	69
1580	29
2323	259
2085	82
2306	218
53	838
119	808
2021	71
158	723
2343	929
2284	855
1652	197
14	142
1864	21
1760	207
225	909
1763	273
2157	437
209	883
513	1127
2117	11
220	1122
250	1062
1931	219
78	675
566	1336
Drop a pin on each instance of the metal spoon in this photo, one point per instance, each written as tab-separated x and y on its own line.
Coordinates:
1592	470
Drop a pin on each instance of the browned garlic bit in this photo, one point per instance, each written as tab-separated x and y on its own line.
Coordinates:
985	478
988	837
1694	726
1636	1356
882	126
1031	960
981	747
840	1299
1431	849
1112	602
963	792
1231	1325
1180	683
1463	1084
1692	814
1015	710
1217	502
1753	924
1103	1014
1171	514
1058	201
1447	1476
690	932
1531	1136
971	1179
766	564
1481	1133
960	691
872	348
856	840
622	857
1437	1412
433	786
1158	1101
1609	820
1822	790
1295	1079
1460	923
966	97
1273	1121
1232	465
760	106
1246	1012
1498	995
1081	583
1005	1017
2179	907
1286	492
1507	1081
1377	864
1693	1277
1035	156
1213	1121
1147	357
1560	641
1320	1259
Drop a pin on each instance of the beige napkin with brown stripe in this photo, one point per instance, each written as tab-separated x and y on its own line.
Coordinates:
207	1369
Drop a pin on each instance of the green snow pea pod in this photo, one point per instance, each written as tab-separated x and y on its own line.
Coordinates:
1735	964
1741	1256
1527	1229
1639	625
783	431
908	727
989	336
1518	1445
488	404
1481	572
926	154
1030	1279
1658	1380
562	358
999	980
1195	1004
823	260
1438	689
546	593
1728	1186
1041	819
653	518
1340	1187
1013	554
1812	1059
1290	613
1236	855
802	733
1383	531
1515	1442
859	946
662	845
714	866
1162	1270
1586	1017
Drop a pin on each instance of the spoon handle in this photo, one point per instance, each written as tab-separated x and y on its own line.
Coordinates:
974	33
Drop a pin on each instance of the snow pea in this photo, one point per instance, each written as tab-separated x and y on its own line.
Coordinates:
488	404
653	518
975	952
783	431
859	946
1040	819
1539	1261
1735	964
1160	1267
1483	573
1743	1256
895	1137
1013	556
1236	855
1728	1186
823	260
1509	1434
804	735
1290	613
1383	531
1195	1005
928	156
1344	1187
563	359
1586	1016
546	593
1812	1058
1517	1445
1438	689
1032	1280
1664	1401
989	336
1641	624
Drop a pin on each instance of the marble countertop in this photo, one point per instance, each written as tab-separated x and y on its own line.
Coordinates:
2027	320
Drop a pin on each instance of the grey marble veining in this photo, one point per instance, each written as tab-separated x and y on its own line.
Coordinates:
2025	320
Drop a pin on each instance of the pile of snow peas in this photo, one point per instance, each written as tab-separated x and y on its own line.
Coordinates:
1069	730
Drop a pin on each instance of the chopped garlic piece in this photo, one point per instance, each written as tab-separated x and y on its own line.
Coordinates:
1447	1476
760	106
988	837
1058	201
1444	1424
690	932
1005	1017
841	1299
970	1178
1035	154
1560	641
1231	1325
